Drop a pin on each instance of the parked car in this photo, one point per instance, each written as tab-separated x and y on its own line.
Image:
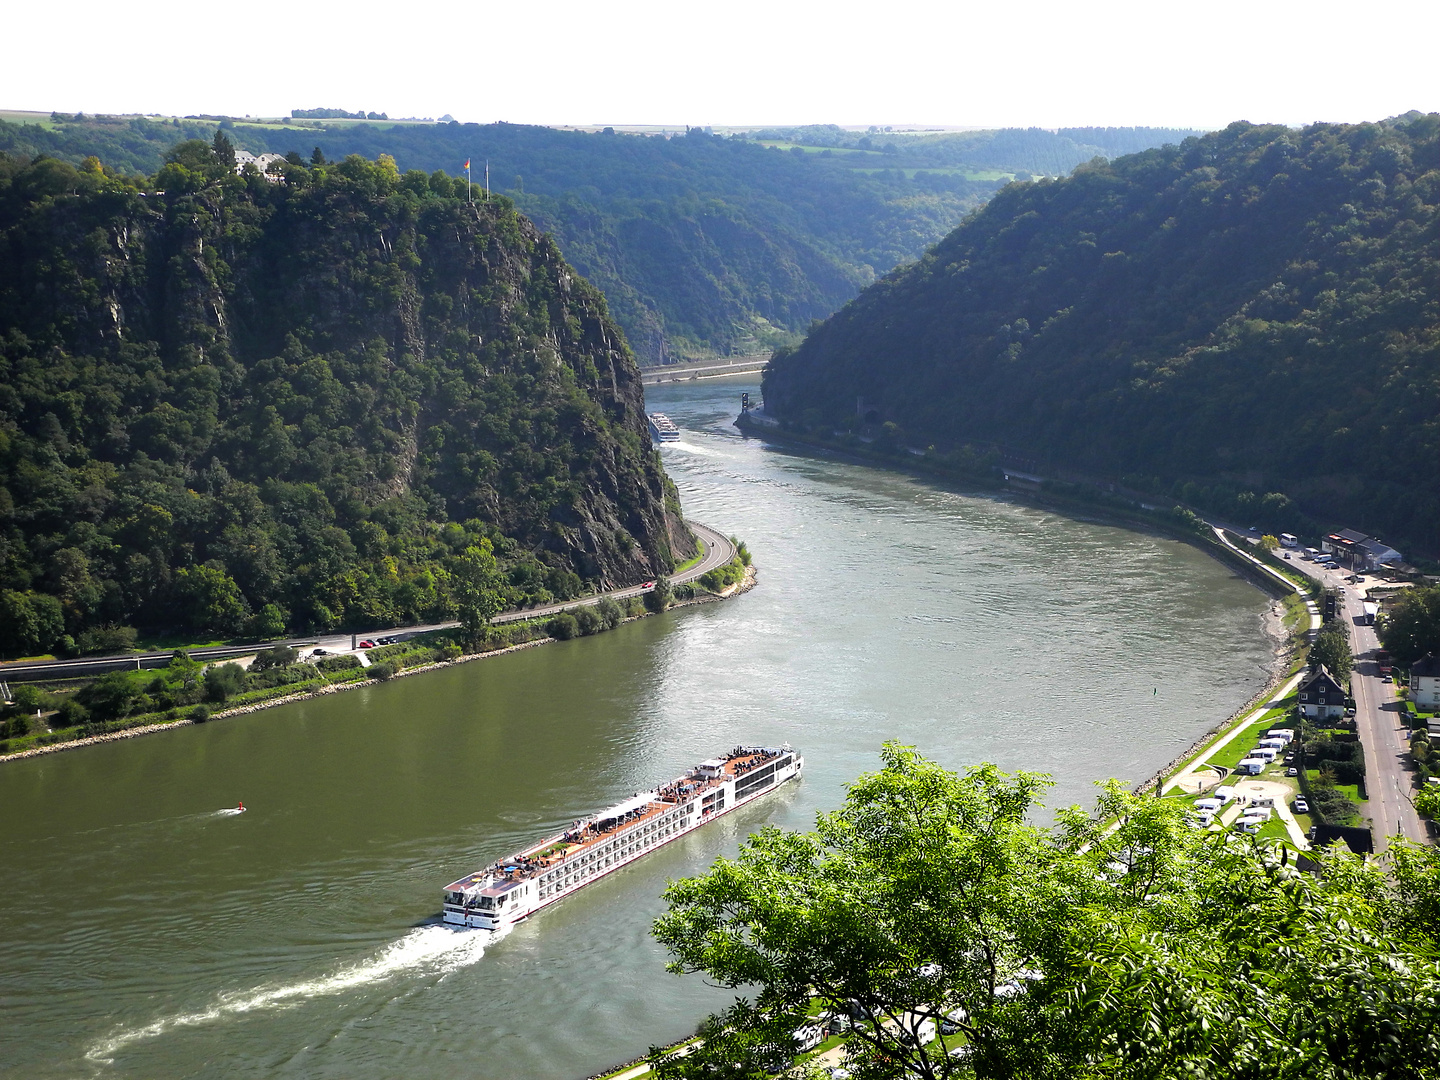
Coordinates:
319	652
1292	771
1389	678
1301	806
367	644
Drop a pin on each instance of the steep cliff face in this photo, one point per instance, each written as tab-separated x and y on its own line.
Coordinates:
322	390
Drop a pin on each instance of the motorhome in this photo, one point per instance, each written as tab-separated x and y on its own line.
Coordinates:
1251	766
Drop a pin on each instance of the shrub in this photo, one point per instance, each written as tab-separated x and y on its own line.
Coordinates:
224	681
562	627
447	652
199	714
658	598
110	697
338	663
588	620
19	725
610	613
382	671
279	656
634	605
70	713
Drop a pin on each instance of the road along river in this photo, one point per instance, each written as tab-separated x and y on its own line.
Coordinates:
145	934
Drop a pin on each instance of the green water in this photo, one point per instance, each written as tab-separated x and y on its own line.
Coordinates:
146	935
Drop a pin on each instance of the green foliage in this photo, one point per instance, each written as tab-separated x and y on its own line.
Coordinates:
1121	943
658	599
106	639
702	245
224	681
1427	801
610	613
342	399
113	696
381	672
331	665
563	626
279	656
588	620
722	577
1332	648
1410	628
31	623
1185	317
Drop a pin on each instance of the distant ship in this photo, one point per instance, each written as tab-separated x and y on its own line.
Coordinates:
509	890
663	429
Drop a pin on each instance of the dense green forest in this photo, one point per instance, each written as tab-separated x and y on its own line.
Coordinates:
343	396
701	244
1247	322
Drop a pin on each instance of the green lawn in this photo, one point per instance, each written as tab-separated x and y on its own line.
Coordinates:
1230	755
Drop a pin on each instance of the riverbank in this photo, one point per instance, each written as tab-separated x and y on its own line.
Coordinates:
351	680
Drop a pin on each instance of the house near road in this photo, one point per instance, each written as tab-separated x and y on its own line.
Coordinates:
1425	682
1358	551
1321	695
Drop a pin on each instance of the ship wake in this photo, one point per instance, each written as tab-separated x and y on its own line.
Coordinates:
433	951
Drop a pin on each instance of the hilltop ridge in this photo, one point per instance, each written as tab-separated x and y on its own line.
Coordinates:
1247	321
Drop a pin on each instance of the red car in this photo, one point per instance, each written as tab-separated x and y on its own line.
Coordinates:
367	645
647	584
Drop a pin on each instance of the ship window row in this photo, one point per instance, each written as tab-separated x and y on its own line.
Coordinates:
589	864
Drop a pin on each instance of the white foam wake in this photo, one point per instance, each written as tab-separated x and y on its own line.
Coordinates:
433	950
693	448
229	811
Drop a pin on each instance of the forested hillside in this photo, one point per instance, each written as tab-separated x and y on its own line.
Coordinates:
1248	321
701	244
232	404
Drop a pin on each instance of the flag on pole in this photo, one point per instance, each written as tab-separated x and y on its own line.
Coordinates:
467	163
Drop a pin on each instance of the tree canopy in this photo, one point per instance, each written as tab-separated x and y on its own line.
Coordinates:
1123	942
1246	322
336	396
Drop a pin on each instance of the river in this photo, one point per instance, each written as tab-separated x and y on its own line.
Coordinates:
148	934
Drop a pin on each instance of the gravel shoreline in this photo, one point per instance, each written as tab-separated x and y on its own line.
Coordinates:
743	586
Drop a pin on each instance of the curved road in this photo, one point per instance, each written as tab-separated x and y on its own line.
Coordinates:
718	552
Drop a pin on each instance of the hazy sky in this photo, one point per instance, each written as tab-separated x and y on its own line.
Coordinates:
1044	63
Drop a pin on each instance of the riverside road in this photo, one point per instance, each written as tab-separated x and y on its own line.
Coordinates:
717	552
1379	720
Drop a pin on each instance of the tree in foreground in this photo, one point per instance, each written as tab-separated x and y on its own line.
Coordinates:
1140	948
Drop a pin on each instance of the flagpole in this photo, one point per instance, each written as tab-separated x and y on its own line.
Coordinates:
487	179
468	196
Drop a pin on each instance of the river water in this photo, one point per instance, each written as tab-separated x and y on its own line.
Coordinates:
145	933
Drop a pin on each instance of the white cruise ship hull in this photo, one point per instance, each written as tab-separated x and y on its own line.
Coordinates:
515	889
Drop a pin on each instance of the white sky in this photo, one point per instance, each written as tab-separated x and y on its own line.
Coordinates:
1047	63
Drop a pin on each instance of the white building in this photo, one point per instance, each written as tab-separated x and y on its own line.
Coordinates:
1425	682
260	161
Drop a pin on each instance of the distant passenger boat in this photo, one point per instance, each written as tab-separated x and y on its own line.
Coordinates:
507	891
663	429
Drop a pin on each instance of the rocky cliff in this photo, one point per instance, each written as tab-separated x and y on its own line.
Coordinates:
221	395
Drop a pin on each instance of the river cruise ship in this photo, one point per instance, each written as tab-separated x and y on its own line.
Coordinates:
662	428
511	889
